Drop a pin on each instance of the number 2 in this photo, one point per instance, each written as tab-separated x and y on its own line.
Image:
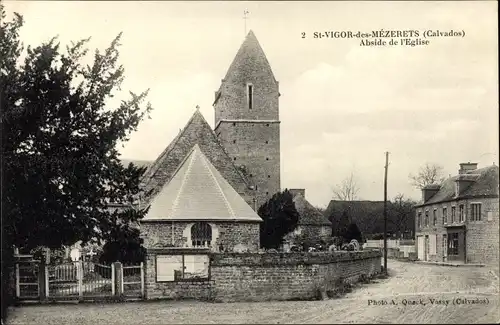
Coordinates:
303	35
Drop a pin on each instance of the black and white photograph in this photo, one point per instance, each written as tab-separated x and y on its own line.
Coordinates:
249	162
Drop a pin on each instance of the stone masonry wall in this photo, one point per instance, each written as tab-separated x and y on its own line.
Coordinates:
254	147
250	66
198	131
262	277
482	237
194	289
317	231
229	234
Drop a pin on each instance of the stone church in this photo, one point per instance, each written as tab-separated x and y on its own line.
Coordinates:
208	184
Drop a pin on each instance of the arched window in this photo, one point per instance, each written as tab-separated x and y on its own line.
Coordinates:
201	234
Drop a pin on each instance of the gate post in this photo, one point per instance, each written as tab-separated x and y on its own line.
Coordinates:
79	274
18	281
113	281
47	288
42	280
142	280
118	283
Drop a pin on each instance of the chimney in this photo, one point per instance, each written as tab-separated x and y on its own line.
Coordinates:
295	191
464	181
429	191
465	167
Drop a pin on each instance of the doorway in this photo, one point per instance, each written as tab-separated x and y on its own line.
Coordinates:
445	248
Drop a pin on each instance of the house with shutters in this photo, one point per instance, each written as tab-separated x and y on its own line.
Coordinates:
458	220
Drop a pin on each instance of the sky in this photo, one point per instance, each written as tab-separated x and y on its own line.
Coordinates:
342	105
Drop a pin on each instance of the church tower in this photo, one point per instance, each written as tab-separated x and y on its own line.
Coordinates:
247	118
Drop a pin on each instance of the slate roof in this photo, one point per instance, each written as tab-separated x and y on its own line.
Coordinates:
196	131
197	191
309	215
484	183
250	50
366	214
250	55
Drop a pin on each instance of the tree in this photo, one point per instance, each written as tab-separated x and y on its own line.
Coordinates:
347	190
60	143
339	226
429	174
352	232
125	250
280	217
401	216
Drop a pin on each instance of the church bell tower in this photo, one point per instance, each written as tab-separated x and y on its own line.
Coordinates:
247	118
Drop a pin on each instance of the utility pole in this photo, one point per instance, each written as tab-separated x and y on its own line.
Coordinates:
385	211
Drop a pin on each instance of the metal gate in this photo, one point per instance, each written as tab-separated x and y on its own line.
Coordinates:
133	281
27	280
79	280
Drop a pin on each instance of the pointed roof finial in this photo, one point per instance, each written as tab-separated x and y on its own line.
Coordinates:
197	107
245	17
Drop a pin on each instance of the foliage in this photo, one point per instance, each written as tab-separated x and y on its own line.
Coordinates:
60	143
340	287
125	251
279	217
347	190
352	232
369	217
401	216
429	174
56	255
341	225
304	241
377	236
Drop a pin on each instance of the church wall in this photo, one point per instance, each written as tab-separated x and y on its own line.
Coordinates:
264	276
229	234
233	102
256	146
200	133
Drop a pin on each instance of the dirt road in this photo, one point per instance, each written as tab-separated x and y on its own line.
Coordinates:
415	293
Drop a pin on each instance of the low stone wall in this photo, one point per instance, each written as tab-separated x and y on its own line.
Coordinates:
180	289
286	276
268	276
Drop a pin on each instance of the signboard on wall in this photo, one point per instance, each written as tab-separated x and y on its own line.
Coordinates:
176	267
168	267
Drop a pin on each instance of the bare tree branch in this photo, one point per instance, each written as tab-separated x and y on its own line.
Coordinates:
429	174
347	190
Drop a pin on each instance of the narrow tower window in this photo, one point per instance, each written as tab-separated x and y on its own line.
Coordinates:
250	96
